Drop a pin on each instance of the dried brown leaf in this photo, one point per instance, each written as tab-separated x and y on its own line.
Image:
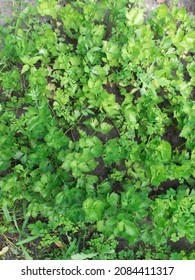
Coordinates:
160	1
59	244
4	250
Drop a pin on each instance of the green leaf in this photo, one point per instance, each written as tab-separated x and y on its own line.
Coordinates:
6	213
180	14
29	61
104	187
99	71
112	151
189	41
93	209
191	69
87	204
165	150
110	105
158	173
27	240
120	227
105	127
83	256
25	68
135	16
162	11
113	199
48	8
112	52
83	167
131	229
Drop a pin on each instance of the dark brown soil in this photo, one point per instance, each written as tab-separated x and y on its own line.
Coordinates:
182	244
162	189
172	135
114	89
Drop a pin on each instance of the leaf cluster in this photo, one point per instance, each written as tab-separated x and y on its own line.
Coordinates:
96	119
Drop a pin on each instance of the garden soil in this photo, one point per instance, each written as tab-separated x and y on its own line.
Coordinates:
171	135
6	6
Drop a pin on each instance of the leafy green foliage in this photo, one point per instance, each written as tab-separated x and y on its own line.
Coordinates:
173	214
96	126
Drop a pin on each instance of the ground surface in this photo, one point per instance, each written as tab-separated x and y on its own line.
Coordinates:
6	6
171	135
